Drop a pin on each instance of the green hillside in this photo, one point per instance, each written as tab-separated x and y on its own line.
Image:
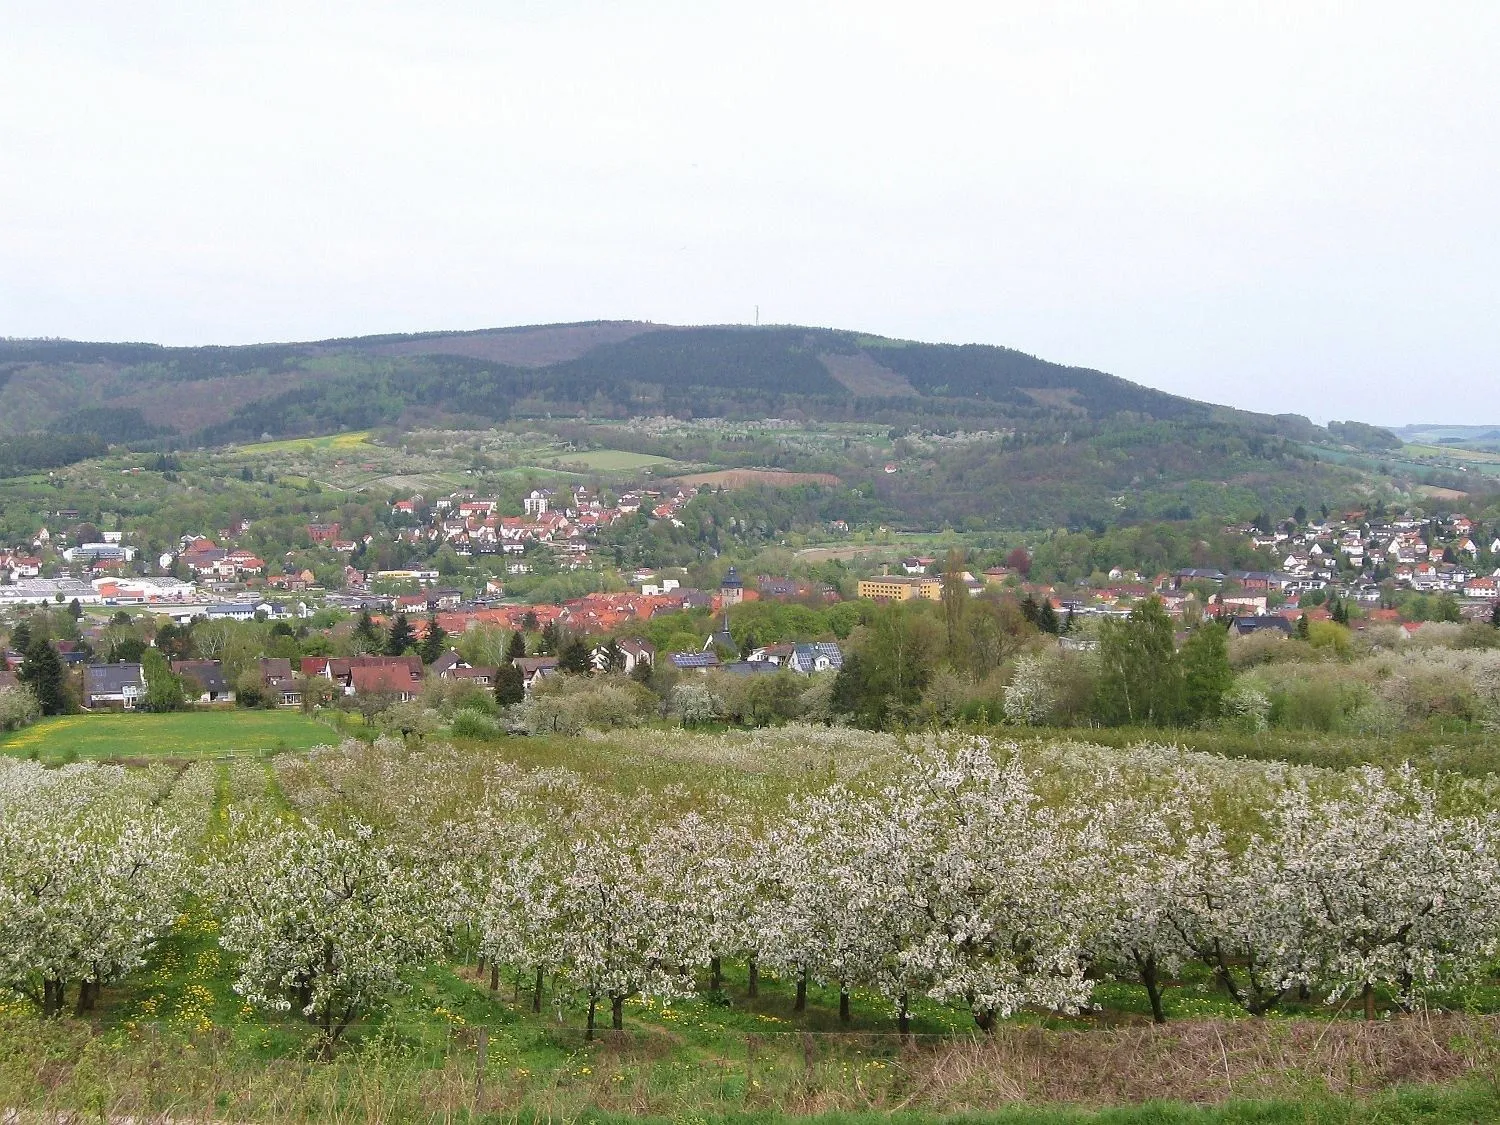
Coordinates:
981	434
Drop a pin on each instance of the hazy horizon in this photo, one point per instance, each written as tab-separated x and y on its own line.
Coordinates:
1287	209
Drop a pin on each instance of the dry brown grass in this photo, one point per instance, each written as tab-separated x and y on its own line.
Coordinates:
1201	1061
1206	1062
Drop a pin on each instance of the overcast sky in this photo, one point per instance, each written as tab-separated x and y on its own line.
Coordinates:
1286	207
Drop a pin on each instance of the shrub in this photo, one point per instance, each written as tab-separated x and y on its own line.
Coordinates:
475	725
18	706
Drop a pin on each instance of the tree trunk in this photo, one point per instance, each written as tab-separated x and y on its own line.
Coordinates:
1369	992
801	1004
536	991
843	1003
494	976
1153	989
53	997
88	997
752	989
985	1021
715	975
588	1034
617	1012
903	1016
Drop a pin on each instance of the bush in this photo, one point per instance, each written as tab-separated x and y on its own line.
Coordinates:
475	725
570	704
18	706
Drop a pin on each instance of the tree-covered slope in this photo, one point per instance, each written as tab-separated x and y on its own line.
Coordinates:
611	369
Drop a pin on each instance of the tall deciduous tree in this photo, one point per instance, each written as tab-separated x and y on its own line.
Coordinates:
1140	678
1206	674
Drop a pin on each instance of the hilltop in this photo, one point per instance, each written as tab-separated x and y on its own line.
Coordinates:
607	369
981	433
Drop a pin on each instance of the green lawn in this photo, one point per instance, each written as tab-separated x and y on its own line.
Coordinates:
184	734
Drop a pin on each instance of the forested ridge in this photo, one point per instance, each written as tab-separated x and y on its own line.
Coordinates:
1064	446
730	371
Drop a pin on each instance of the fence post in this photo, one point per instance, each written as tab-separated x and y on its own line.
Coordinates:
482	1051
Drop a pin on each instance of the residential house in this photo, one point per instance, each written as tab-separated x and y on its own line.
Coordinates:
697	660
204	680
1261	623
276	674
535	668
820	656
113	685
635	651
399	680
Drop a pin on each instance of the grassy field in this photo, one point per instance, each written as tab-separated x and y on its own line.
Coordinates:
187	734
612	460
346	442
1454	452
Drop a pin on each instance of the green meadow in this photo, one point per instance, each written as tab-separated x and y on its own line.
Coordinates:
184	734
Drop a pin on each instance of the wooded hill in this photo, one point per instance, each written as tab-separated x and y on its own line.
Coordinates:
1079	446
208	395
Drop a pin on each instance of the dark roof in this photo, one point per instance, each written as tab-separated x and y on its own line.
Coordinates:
448	660
1247	625
276	671
529	664
111	679
207	674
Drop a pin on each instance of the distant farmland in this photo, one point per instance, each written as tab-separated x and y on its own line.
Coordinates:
747	478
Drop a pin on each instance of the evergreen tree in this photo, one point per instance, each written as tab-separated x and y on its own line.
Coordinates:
1338	610
614	657
401	638
42	671
1046	618
20	636
510	685
551	640
1303	631
1030	610
517	646
1495	614
434	642
367	633
574	658
75	608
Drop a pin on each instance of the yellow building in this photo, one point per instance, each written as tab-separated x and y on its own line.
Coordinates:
899	588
